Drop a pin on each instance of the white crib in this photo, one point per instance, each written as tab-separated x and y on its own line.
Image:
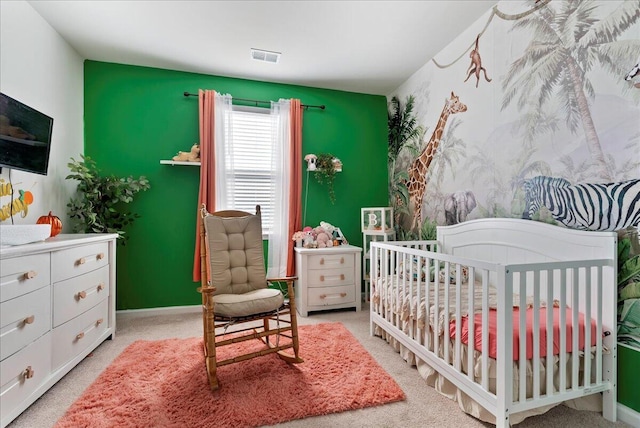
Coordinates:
432	300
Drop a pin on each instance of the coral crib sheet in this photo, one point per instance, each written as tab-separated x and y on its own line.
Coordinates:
493	323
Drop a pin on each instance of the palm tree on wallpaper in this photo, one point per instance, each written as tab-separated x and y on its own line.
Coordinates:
522	167
566	44
449	153
403	132
489	174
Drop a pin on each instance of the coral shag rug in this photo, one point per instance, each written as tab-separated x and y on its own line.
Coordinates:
164	384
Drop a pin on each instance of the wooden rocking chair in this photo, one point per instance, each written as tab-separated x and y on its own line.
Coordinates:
235	291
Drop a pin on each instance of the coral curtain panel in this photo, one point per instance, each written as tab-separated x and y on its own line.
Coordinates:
207	192
295	190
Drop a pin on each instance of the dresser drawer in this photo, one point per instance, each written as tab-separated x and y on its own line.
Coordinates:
330	277
21	275
78	260
24	319
330	261
23	372
74	336
74	296
327	296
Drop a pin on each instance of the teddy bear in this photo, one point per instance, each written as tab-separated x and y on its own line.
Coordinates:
308	239
191	156
322	237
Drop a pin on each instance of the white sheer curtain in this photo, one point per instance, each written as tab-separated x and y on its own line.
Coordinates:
281	169
223	137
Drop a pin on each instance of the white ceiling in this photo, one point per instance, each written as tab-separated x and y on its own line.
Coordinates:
357	46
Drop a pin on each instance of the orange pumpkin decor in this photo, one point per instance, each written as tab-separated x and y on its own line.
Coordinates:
56	224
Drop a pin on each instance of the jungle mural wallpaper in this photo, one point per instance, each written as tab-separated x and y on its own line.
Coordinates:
544	121
532	112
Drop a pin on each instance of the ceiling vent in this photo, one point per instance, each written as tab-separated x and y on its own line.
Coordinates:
268	56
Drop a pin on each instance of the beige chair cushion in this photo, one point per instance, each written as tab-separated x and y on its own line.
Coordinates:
253	302
236	258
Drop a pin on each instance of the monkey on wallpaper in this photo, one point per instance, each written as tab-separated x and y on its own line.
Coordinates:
476	64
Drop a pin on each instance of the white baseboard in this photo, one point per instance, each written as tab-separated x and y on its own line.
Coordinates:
171	310
628	416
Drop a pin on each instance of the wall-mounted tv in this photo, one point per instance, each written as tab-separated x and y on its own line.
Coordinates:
25	137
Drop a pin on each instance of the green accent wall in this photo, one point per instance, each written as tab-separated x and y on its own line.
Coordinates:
136	116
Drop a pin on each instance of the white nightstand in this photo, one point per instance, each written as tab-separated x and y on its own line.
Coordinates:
328	278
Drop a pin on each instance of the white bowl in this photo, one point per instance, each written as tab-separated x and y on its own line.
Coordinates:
19	234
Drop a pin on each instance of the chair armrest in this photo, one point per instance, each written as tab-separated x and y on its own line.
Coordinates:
207	289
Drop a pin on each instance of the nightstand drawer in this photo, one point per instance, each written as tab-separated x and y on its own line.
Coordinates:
21	275
327	296
330	261
330	277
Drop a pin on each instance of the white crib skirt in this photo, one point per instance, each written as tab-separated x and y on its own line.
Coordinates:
445	387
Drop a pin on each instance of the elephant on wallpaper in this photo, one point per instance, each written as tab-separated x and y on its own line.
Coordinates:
458	205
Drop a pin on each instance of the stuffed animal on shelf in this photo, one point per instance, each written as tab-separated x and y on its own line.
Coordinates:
191	156
328	227
308	240
323	239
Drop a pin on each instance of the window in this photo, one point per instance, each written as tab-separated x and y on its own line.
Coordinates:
249	161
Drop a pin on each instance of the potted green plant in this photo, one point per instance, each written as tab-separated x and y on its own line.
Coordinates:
326	172
98	208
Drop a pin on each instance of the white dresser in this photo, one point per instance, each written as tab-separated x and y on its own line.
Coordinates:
328	278
57	304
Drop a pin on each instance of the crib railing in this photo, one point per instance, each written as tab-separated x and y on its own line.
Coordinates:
411	282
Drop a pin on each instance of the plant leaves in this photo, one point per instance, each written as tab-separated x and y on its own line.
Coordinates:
628	270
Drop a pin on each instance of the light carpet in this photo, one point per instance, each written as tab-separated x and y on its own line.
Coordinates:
164	384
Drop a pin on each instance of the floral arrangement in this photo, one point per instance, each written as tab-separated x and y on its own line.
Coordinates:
298	235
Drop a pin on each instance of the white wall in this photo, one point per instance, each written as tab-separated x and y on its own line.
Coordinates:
39	69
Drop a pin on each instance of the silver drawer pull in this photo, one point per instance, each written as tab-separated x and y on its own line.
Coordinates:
29	319
29	275
80	261
81	295
28	372
79	336
100	256
100	287
100	321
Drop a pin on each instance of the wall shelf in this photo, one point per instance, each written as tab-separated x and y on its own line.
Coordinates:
172	162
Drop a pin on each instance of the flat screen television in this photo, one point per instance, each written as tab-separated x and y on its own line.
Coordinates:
25	137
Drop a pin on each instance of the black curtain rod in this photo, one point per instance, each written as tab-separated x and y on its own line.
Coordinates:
256	102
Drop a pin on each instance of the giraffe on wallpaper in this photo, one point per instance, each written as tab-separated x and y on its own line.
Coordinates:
417	182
